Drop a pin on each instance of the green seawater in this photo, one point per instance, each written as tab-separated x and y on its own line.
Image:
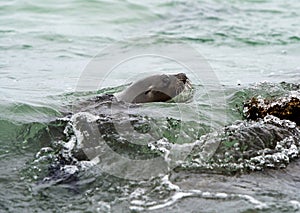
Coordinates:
45	47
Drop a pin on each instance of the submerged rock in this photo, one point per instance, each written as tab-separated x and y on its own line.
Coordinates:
247	146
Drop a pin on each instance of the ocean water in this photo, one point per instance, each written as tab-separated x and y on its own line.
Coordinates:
55	54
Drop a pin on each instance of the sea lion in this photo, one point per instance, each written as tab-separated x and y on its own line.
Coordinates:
156	88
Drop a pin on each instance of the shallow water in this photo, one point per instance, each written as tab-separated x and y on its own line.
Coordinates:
46	49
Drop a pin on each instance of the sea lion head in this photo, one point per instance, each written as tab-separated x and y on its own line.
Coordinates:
156	88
